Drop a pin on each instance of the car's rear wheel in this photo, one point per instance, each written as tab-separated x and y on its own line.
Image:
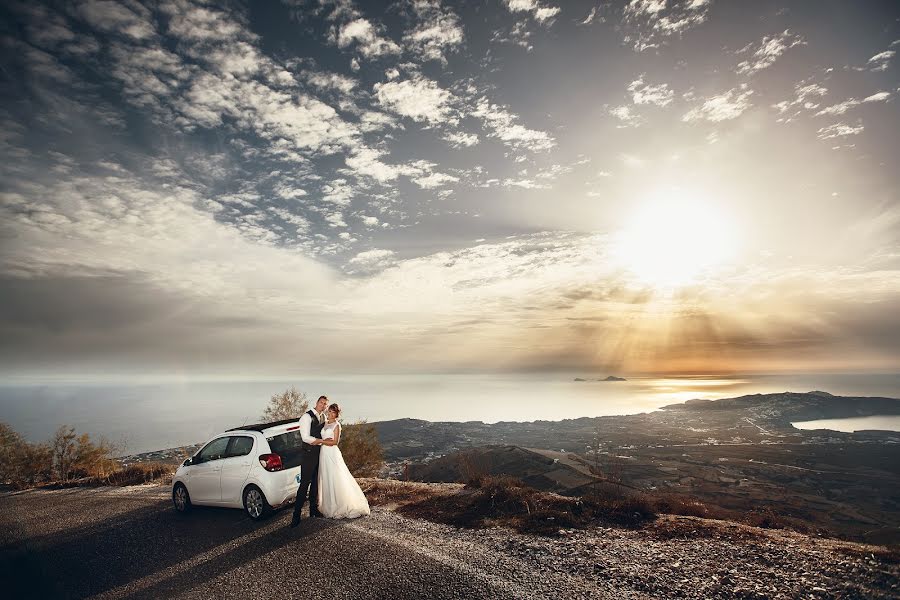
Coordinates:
255	503
181	498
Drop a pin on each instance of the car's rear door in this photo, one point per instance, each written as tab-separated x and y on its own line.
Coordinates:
236	467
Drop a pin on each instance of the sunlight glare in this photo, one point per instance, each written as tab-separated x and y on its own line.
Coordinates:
671	240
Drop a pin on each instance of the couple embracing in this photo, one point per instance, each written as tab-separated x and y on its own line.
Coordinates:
332	490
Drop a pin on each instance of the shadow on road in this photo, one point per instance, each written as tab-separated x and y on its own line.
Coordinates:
150	552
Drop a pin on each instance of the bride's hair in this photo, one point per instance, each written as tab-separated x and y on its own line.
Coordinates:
337	409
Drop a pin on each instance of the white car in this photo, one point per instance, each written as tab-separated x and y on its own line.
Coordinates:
255	467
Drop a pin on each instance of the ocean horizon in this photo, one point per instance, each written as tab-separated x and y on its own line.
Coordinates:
147	415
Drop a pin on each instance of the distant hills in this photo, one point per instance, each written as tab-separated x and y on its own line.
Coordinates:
736	455
607	378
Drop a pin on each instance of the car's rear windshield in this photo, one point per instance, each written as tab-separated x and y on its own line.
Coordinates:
285	441
289	446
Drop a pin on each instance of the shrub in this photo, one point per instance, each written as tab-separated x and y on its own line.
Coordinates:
361	449
22	464
290	404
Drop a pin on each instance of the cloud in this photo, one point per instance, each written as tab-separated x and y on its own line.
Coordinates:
113	17
199	24
418	98
338	191
502	125
649	23
541	14
768	51
371	261
361	34
330	81
880	61
460	139
839	130
434	180
806	97
626	116
842	107
723	107
591	16
438	31
642	93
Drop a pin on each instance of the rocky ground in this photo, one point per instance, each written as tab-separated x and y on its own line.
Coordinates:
130	543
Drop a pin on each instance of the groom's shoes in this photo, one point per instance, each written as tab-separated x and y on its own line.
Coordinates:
295	520
315	513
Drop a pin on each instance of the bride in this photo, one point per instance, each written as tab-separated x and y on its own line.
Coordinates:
339	494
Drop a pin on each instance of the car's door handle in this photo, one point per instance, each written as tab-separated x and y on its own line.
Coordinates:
245	464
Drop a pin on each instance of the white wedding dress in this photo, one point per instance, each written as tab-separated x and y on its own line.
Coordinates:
339	495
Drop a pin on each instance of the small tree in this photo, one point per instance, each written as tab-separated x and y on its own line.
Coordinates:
62	447
290	404
11	444
93	460
361	449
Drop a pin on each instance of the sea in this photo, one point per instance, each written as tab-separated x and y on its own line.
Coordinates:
143	415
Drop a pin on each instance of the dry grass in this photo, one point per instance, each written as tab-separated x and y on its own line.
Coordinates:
504	501
136	474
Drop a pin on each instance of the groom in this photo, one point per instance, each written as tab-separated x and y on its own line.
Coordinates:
311	433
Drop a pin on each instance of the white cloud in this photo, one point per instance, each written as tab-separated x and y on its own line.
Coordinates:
642	93
768	51
591	16
460	139
540	13
288	192
371	261
437	32
330	81
649	23
194	23
362	34
369	221
880	61
723	107
842	107
335	219
114	17
433	180
838	130
338	191
626	116
366	161
503	126
299	221
419	98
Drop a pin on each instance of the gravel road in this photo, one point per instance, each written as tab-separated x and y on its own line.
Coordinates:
130	543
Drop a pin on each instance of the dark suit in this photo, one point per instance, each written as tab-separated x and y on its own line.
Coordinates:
309	469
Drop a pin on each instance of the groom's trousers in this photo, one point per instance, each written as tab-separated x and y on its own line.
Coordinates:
309	481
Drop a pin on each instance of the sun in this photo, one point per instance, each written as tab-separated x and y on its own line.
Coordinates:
673	238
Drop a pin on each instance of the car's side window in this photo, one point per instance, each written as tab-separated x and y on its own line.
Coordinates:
240	446
214	450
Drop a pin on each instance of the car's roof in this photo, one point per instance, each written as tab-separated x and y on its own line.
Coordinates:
260	427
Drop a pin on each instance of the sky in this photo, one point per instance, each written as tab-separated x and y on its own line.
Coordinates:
310	186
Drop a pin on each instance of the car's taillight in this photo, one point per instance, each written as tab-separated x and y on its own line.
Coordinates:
270	462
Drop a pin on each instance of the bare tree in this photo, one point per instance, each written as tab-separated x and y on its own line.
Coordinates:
10	453
290	404
62	447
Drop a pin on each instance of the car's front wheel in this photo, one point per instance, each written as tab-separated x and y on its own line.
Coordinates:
255	503
181	498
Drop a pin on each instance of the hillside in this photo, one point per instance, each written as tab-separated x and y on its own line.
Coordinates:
736	455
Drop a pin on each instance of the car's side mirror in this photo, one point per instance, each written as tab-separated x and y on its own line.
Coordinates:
188	462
